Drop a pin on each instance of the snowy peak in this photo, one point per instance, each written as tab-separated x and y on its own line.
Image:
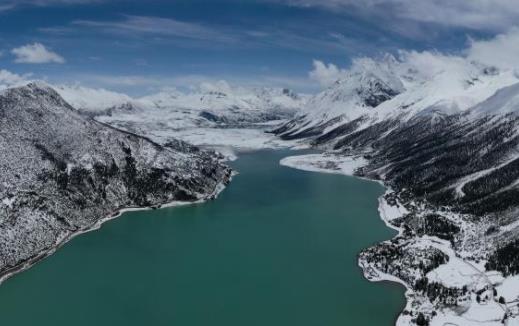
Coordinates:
365	86
369	78
291	94
374	91
35	96
93	100
416	85
260	99
218	100
366	89
161	99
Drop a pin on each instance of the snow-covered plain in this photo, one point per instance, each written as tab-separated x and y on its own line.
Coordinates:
213	115
326	163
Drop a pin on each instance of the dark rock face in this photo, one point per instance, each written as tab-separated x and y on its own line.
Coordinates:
60	173
212	117
376	92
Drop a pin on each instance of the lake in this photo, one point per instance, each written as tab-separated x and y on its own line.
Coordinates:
277	248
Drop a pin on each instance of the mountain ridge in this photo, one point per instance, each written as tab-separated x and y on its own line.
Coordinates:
450	163
63	173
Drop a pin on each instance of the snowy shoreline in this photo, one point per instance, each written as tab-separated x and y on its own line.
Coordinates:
457	270
345	165
99	223
229	147
388	211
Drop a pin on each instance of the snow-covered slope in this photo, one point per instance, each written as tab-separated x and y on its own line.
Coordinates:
367	84
418	84
91	100
214	103
63	173
504	101
214	114
223	104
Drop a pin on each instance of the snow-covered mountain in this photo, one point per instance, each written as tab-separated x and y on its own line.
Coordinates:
214	114
419	84
442	133
63	173
223	104
91	100
504	101
216	103
368	84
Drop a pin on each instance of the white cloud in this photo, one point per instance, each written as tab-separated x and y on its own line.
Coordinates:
36	53
93	99
430	63
9	79
325	74
147	84
494	15
219	86
474	14
6	5
501	51
188	34
159	26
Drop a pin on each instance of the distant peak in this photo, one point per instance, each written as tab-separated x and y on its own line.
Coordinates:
36	87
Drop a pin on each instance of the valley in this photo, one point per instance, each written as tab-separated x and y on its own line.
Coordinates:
442	141
278	246
259	162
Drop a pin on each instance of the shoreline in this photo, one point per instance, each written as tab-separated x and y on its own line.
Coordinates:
315	162
305	163
99	223
456	273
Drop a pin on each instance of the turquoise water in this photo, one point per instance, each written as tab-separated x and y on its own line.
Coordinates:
277	248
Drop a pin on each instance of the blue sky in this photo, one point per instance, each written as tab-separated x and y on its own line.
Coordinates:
141	46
